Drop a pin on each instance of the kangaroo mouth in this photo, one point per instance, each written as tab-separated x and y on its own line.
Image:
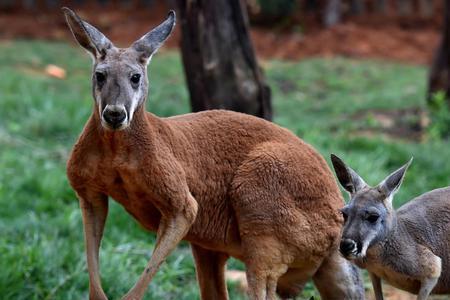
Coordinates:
351	249
114	117
353	255
114	127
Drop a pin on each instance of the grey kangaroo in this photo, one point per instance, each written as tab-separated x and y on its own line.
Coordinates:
408	248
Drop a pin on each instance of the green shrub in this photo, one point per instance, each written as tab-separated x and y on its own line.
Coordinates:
440	116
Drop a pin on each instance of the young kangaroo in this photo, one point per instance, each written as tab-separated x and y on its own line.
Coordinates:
409	248
229	183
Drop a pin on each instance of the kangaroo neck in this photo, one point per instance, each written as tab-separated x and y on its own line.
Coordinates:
396	238
392	229
387	241
142	132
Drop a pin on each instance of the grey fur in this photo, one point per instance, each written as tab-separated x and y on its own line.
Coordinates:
89	37
118	66
392	183
348	178
408	248
150	42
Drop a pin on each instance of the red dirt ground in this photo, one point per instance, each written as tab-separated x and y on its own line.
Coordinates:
351	40
412	41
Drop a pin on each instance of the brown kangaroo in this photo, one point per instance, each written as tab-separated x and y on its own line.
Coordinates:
408	248
229	183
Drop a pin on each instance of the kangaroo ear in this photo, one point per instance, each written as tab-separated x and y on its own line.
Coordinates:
348	178
390	185
150	42
89	37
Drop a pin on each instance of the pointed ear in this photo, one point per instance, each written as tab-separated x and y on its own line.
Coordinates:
390	185
150	42
348	178
89	37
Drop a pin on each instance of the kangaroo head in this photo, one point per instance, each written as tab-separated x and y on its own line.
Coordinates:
369	214
119	76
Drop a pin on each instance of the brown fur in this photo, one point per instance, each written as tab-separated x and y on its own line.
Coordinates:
252	180
229	183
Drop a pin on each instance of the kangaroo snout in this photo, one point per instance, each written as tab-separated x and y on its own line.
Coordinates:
114	116
348	248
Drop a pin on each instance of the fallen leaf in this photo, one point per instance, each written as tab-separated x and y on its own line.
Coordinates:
55	71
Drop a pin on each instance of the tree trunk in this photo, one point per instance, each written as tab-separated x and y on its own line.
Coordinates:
382	7
439	79
426	8
357	7
332	13
219	60
404	7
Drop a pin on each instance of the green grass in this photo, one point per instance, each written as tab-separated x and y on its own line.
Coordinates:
41	239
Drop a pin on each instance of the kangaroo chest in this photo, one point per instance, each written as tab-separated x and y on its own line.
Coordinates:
122	178
127	185
143	175
138	189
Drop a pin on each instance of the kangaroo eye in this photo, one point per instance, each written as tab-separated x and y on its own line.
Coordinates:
372	218
345	216
100	78
135	78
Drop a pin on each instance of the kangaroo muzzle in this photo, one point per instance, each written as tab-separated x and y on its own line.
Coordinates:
114	116
349	248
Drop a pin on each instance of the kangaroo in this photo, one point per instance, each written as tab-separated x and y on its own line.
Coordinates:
229	183
408	248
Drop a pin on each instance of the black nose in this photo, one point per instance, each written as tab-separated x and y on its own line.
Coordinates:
114	116
347	247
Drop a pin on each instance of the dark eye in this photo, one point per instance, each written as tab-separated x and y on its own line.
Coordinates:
100	78
135	78
344	215
372	218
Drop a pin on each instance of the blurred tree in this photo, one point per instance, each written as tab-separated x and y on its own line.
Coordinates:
357	7
439	79
381	6
277	7
219	60
404	7
332	14
426	8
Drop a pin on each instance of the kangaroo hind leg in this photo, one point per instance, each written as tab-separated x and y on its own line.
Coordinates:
210	268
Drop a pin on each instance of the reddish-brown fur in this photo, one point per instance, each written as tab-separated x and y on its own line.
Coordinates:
239	169
262	193
229	183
